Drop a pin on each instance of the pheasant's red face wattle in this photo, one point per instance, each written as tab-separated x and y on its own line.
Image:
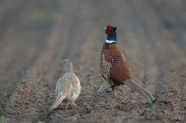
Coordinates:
109	30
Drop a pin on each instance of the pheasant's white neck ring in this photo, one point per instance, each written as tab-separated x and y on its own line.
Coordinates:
110	41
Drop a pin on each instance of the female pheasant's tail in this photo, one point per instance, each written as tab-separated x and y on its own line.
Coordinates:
135	87
57	102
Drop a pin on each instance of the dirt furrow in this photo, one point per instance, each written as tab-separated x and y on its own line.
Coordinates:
92	104
10	16
147	47
150	33
173	19
169	50
18	54
6	63
42	76
31	88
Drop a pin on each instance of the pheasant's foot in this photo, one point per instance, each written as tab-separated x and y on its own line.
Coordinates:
103	87
127	89
61	105
114	94
66	106
113	91
72	105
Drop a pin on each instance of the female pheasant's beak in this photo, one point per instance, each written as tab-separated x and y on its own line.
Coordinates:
104	28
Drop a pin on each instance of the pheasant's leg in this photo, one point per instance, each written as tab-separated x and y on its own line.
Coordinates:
126	88
67	105
103	88
70	104
113	90
61	105
74	105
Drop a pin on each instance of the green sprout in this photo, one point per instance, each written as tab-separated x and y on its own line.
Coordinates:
19	86
37	14
37	90
3	119
151	110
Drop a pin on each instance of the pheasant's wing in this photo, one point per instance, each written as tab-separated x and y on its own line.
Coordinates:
119	73
57	101
69	89
64	93
75	89
63	90
119	70
58	86
62	83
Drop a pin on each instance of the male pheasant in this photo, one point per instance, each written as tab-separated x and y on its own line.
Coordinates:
68	87
113	67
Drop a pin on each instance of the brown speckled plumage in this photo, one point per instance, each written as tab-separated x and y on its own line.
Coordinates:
68	87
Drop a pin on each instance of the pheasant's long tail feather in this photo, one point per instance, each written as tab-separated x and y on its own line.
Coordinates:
57	102
137	88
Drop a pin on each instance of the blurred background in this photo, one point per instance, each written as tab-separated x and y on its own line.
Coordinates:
27	26
35	35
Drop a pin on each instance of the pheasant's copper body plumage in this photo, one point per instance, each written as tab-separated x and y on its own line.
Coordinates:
113	67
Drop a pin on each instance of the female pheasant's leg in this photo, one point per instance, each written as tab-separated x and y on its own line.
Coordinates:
61	105
71	104
74	105
67	102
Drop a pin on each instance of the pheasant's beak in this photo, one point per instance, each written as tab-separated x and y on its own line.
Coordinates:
104	28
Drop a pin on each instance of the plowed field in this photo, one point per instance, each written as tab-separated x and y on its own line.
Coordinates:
36	35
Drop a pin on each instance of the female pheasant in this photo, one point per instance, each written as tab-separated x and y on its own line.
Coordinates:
68	87
113	67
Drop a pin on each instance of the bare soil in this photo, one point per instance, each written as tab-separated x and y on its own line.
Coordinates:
36	35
